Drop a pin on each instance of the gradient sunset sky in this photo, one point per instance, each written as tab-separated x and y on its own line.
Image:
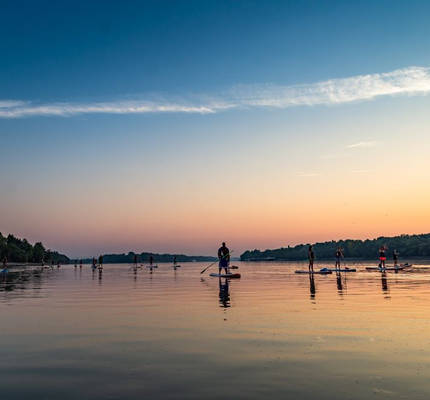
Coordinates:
169	126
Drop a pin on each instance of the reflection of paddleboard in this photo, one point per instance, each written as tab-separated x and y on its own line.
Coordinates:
320	272
342	270
152	266
225	275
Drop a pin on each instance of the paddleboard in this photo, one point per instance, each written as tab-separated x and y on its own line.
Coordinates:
234	267
321	272
399	268
4	271
225	275
176	266
342	270
152	266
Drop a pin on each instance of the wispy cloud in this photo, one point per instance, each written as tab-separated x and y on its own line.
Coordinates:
308	174
406	81
370	143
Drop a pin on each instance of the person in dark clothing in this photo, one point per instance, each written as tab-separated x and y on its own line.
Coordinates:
382	257
395	257
311	257
224	258
339	256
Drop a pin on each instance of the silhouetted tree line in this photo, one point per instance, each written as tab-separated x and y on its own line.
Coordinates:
406	245
20	250
144	257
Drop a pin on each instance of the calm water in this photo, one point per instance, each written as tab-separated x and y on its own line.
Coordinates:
72	334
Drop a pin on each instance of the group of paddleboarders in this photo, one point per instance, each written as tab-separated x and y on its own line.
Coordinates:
383	256
339	256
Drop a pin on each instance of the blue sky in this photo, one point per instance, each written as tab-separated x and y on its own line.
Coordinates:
229	72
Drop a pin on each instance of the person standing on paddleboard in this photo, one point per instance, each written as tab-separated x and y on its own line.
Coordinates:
339	256
382	257
100	261
395	257
311	257
224	258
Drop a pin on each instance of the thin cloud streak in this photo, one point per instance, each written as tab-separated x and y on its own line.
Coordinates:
359	145
406	81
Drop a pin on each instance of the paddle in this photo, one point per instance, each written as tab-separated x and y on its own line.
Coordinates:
210	265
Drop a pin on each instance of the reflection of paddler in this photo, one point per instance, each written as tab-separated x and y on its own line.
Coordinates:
224	293
384	282
312	286
339	281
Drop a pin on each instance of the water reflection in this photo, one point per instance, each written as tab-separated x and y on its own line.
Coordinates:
22	280
339	282
169	339
312	289
384	284
224	293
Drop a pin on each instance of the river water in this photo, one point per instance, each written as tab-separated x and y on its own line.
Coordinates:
74	334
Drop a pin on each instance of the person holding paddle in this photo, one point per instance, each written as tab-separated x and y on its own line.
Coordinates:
339	256
395	257
224	258
311	257
382	257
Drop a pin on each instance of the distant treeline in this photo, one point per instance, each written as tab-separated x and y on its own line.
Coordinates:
406	245
20	250
144	258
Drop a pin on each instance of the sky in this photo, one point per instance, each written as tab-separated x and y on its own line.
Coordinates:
170	126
